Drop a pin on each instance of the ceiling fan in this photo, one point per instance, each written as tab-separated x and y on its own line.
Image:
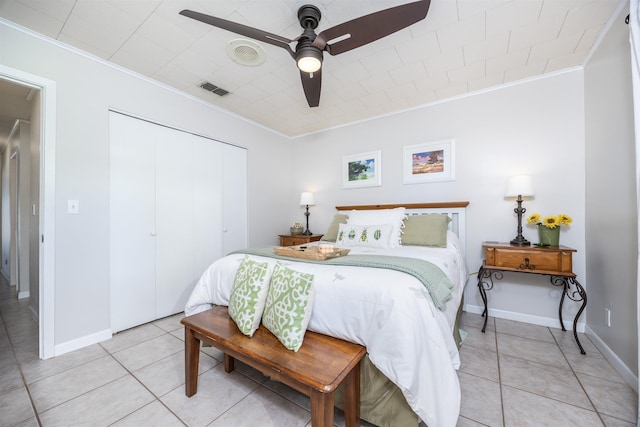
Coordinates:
335	40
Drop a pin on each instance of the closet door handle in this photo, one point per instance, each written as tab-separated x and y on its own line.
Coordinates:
153	233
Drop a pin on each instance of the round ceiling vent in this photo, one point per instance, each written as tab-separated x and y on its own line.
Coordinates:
246	52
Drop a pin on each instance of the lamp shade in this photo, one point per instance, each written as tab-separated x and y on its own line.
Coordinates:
306	198
519	185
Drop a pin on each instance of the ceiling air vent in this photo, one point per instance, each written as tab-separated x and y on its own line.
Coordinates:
246	52
213	88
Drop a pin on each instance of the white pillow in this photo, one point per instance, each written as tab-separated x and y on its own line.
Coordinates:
395	217
371	236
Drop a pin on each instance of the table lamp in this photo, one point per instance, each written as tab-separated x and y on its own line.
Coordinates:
519	186
306	199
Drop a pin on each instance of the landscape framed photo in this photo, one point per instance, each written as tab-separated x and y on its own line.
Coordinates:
362	170
429	162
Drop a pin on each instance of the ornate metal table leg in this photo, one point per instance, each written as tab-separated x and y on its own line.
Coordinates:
560	281
577	295
582	295
484	286
483	295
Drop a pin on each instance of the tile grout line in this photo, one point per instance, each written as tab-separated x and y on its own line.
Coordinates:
24	381
586	393
495	334
155	397
594	410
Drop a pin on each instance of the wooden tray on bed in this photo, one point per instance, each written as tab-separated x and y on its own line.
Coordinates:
309	252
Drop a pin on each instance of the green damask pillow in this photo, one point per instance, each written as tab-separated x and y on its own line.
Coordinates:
289	305
249	294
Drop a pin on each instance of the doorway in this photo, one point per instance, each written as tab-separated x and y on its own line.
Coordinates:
39	205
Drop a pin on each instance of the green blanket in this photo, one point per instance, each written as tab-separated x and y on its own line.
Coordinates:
434	280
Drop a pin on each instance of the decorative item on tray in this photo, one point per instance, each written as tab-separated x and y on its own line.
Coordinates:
296	229
319	253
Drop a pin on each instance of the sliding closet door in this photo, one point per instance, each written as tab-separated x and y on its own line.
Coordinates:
132	258
167	221
207	204
174	221
234	198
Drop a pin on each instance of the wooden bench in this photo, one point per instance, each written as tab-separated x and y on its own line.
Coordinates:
316	370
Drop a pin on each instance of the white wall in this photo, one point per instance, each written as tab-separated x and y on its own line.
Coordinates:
86	90
612	243
535	128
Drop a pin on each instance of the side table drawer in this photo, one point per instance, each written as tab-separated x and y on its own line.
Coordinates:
527	260
294	241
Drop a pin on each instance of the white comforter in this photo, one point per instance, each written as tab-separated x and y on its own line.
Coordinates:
389	312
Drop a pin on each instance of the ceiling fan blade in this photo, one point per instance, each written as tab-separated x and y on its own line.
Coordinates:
312	83
368	28
243	30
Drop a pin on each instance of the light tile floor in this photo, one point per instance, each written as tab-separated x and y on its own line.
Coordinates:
513	375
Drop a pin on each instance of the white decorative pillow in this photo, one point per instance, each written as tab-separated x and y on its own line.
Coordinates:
371	236
249	294
289	305
395	217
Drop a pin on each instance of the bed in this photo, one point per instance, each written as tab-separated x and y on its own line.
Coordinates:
408	327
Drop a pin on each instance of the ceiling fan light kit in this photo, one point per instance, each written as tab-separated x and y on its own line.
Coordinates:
335	40
309	59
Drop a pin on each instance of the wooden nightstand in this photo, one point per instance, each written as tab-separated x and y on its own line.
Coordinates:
554	261
298	239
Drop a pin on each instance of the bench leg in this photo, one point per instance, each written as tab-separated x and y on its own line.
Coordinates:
191	360
352	398
229	363
321	409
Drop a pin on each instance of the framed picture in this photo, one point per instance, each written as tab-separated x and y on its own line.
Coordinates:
362	170
429	162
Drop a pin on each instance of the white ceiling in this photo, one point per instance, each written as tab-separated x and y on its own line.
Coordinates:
461	46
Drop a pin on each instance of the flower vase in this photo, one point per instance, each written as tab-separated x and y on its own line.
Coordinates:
549	236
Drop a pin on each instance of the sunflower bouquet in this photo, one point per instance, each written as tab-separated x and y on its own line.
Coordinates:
551	221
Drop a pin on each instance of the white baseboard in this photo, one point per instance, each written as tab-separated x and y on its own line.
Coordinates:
85	341
624	371
24	294
550	322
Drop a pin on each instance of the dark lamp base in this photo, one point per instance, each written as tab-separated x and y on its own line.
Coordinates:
520	241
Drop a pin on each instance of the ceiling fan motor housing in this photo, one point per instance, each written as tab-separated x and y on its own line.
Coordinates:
309	16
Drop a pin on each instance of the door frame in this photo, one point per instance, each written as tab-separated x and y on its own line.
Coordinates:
14	220
46	208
